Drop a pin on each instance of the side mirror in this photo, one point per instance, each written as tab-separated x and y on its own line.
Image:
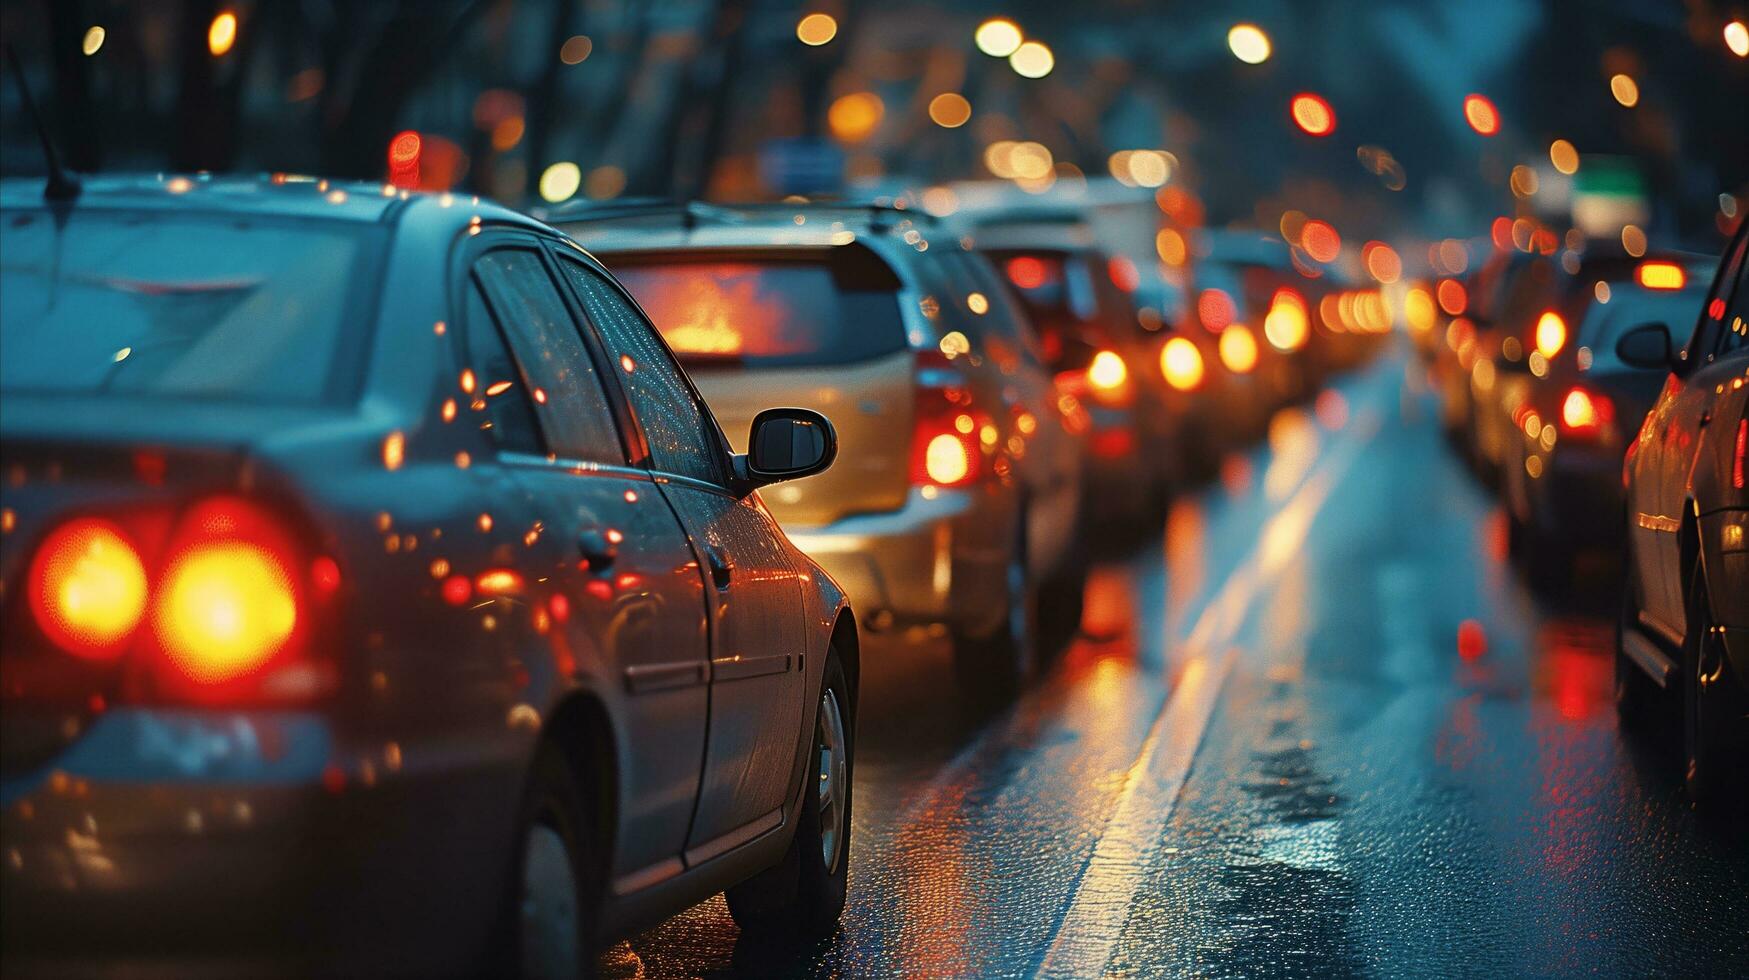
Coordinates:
1647	346
788	444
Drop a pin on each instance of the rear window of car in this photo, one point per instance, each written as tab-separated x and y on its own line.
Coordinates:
1068	303
225	307
768	310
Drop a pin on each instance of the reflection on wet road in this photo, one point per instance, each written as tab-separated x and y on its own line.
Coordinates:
1270	752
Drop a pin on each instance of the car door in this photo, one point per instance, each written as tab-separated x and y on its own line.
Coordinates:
757	634
1676	426
622	596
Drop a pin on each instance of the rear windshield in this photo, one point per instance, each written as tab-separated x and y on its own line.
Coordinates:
244	309
764	311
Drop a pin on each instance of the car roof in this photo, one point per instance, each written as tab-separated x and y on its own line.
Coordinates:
640	227
275	194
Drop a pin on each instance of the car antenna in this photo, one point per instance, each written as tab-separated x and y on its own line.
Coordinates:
63	184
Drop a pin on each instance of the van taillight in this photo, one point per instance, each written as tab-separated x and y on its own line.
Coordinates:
945	428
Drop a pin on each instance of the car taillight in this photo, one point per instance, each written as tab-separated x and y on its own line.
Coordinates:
87	588
1585	413
223	608
1661	275
1551	334
1181	363
1742	450
945	430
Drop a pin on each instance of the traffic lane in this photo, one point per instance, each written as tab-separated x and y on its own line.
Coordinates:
970	832
1417	769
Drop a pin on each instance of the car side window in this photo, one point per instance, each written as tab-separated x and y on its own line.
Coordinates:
562	379
683	441
1715	317
1734	325
500	387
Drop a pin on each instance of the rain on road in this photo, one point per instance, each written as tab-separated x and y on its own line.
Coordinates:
1268	752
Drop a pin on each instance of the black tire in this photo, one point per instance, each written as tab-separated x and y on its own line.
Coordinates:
798	902
542	934
1061	603
996	666
1712	753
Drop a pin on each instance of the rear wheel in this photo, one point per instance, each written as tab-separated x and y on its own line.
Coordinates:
1712	750
552	918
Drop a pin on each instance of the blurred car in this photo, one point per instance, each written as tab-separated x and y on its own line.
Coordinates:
1685	608
1474	337
1561	472
380	599
1506	340
1102	355
957	502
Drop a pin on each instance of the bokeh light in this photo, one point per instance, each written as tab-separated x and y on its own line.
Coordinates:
1313	115
221	35
816	29
1625	90
950	110
1248	43
1564	157
1480	113
1032	60
997	37
560	181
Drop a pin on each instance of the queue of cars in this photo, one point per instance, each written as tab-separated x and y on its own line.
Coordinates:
352	537
1606	395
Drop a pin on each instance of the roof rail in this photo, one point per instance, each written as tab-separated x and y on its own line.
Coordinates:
690	214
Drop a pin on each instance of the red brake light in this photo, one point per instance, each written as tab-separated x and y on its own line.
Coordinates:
945	432
1661	275
87	588
1586	413
229	600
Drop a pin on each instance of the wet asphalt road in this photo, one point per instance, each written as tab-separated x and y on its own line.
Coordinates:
1267	755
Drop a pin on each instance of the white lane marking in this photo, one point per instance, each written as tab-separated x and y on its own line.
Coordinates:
1099	909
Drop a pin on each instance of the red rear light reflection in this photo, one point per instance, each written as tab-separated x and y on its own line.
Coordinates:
1741	451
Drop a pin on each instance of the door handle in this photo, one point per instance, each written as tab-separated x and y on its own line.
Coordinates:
721	569
598	552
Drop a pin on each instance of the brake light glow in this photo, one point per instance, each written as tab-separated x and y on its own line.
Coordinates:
1551	333
225	608
944	441
1586	413
1661	275
1286	326
1238	349
87	588
947	459
1107	371
1181	363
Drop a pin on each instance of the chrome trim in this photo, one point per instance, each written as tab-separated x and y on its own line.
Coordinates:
739	668
1649	658
644	678
580	467
1658	522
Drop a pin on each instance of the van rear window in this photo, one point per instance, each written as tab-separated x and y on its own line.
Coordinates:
766	311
